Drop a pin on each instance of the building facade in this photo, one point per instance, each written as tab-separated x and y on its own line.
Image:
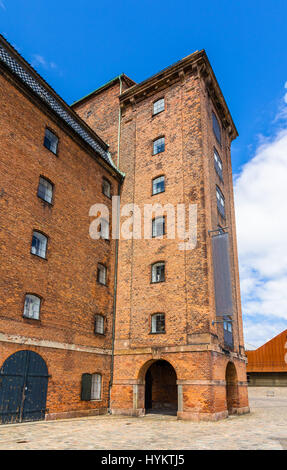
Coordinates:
267	365
134	324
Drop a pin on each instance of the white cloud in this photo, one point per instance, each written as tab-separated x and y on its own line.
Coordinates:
39	61
261	214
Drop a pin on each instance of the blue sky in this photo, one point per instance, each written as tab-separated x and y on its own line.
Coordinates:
77	46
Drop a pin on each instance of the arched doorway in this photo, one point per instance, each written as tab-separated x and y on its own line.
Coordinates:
23	388
161	388
231	388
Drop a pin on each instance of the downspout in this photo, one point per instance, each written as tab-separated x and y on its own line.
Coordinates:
116	264
119	126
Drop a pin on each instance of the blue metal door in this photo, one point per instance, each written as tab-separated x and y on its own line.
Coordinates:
23	388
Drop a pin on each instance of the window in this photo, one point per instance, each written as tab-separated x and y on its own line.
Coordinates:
102	274
51	141
96	390
45	190
39	244
158	145
158	272
227	330
216	128
158	106
104	229
158	185
220	202
99	324
218	164
158	227
158	323
32	307
106	188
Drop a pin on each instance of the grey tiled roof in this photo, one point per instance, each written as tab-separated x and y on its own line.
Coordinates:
53	103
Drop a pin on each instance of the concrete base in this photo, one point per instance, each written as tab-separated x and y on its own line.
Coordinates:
128	412
240	411
75	414
196	416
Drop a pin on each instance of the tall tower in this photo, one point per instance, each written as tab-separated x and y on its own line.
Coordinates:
178	342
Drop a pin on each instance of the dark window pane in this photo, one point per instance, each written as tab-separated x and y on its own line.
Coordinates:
51	141
216	128
158	185
158	146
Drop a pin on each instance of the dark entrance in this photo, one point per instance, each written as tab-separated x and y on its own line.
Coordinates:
23	388
161	388
231	388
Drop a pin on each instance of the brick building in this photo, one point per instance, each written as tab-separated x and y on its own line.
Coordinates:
171	317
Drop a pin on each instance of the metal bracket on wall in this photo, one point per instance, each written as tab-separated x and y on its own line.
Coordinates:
220	230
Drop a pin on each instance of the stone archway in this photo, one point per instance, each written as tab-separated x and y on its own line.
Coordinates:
232	395
161	388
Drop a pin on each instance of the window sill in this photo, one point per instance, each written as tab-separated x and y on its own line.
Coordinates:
160	192
51	151
38	256
156	114
157	282
102	284
157	332
46	203
96	399
99	334
31	319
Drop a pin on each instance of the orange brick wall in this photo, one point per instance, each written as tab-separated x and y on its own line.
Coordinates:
66	281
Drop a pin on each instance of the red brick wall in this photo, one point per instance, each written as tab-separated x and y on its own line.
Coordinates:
66	281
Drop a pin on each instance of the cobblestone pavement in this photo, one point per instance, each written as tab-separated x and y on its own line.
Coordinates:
264	428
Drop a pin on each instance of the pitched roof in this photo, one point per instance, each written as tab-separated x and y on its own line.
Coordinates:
22	70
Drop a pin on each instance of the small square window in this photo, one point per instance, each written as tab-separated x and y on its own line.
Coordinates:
106	188
102	274
51	141
32	307
158	185
45	190
158	145
158	323
158	106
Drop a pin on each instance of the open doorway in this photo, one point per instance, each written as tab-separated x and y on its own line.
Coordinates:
161	388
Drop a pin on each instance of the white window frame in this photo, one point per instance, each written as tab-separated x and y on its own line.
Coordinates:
155	277
158	106
154	323
96	387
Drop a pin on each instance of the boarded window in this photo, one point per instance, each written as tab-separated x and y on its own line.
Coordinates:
222	275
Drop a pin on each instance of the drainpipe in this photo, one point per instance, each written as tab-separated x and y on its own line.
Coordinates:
119	126
116	263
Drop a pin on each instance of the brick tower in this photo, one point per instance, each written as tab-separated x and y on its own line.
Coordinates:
178	339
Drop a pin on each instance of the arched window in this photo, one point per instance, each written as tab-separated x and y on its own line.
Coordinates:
32	307
158	272
220	202
45	190
158	145
158	226
99	324
102	274
218	164
96	390
104	229
51	141
106	188
39	244
216	128
158	323
158	185
158	106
